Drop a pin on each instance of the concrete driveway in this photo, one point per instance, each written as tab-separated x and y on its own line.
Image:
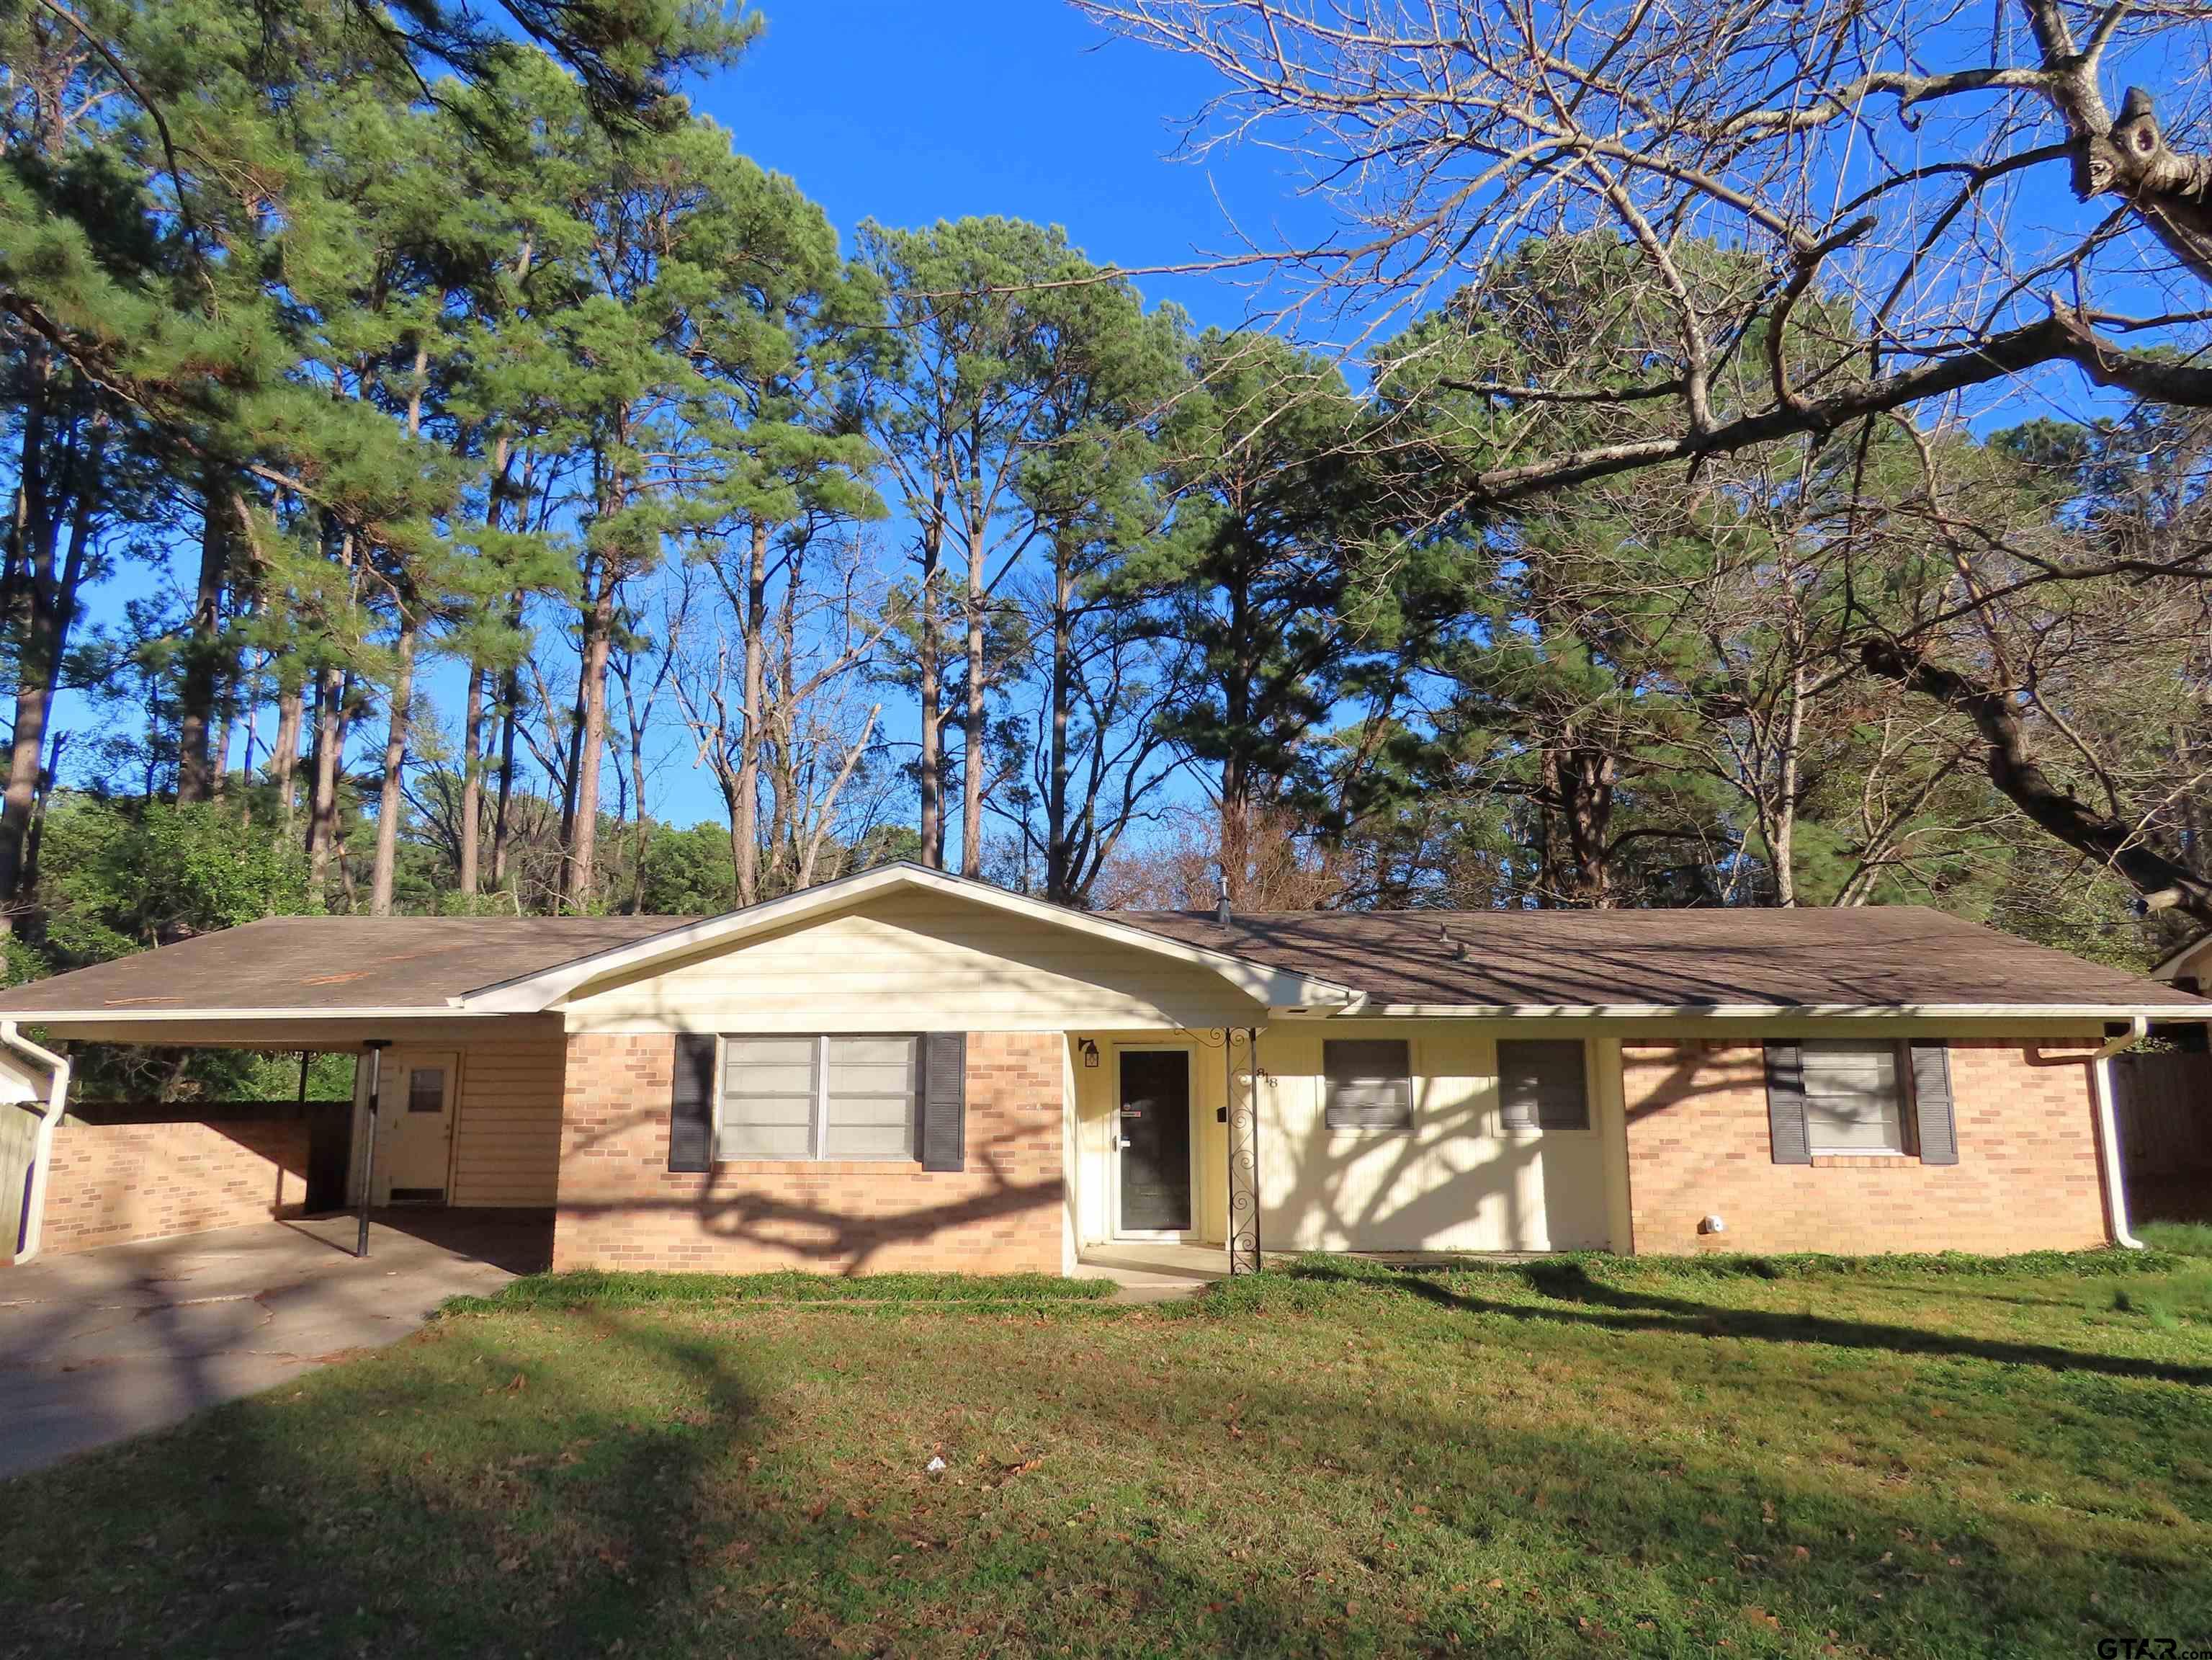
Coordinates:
111	1342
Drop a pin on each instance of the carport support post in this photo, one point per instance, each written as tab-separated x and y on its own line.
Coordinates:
376	1046
1242	1111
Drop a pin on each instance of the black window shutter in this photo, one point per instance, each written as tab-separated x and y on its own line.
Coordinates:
692	1104
944	1101
1785	1104
1931	1102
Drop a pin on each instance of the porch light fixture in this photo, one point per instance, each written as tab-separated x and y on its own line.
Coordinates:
1090	1052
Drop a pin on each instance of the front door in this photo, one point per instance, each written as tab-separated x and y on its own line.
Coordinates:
1155	1142
417	1092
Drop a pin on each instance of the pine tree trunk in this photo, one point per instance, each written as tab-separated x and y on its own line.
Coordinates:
390	798
778	750
1235	774
1577	780
196	696
26	758
510	707
219	750
284	756
590	740
971	771
472	716
249	725
927	648
1058	839
31	842
322	800
640	826
345	871
782	872
744	809
1782	839
497	495
49	597
726	777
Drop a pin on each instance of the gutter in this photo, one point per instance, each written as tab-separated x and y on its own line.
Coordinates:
57	1070
143	1016
2199	1010
2108	1127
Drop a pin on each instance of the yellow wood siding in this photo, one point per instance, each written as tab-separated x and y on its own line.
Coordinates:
507	1136
915	962
1458	1180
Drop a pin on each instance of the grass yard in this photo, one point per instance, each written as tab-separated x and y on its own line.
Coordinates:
1576	1457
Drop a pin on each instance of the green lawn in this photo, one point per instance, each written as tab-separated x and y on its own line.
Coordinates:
1577	1457
2190	1239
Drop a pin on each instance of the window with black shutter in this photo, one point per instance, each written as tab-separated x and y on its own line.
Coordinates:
790	1096
1864	1097
1854	1097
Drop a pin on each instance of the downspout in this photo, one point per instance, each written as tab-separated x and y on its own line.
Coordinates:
34	1203
2108	1126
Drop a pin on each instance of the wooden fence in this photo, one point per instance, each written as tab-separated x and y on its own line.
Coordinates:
2164	1105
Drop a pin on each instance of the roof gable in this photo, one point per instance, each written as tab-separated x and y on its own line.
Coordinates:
1269	984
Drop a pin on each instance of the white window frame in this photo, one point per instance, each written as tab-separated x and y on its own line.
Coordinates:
817	1124
1900	1146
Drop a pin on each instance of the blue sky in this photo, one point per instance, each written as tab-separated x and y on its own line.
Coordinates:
909	114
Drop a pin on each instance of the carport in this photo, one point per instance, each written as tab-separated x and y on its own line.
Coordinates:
471	1097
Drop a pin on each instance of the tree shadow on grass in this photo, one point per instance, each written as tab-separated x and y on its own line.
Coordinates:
1591	1301
502	1505
637	1484
659	1482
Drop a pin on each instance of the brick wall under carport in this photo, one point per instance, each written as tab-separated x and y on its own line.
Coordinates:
2026	1179
620	1207
110	1184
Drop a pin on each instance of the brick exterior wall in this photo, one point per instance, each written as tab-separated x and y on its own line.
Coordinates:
2026	1178
620	1208
108	1184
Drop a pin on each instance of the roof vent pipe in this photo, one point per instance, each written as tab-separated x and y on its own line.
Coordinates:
1221	908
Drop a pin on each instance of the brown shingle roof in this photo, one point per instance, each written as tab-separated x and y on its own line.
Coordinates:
1885	956
335	963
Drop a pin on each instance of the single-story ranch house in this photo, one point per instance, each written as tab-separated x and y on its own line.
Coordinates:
908	1070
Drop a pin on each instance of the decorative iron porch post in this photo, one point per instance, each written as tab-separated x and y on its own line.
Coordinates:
1243	1230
